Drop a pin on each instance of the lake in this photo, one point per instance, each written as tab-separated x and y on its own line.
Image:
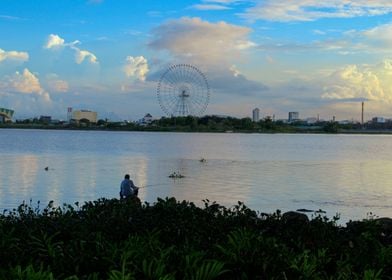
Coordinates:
346	174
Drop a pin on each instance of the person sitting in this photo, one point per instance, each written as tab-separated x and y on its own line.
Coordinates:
128	188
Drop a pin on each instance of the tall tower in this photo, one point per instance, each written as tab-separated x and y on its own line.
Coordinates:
69	113
363	105
256	115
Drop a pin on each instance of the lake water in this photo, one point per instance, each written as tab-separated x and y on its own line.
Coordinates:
346	174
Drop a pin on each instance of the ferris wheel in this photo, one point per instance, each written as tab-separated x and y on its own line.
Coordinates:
183	90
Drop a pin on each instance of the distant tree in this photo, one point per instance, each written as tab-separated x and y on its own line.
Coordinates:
246	123
84	122
331	127
101	122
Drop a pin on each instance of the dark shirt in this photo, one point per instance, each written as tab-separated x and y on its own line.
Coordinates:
127	188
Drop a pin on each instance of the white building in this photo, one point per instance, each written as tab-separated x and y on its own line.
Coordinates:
378	120
293	116
6	114
147	119
311	120
85	114
256	115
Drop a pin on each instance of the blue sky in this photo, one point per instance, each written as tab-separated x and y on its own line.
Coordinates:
313	56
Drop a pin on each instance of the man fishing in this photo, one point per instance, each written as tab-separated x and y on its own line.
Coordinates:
128	188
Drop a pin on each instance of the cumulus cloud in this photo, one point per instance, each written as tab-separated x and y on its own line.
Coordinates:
13	55
136	67
201	41
215	48
309	10
56	42
81	55
24	83
367	82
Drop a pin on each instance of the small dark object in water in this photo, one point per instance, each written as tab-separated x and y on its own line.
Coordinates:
320	211
202	160
46	168
176	175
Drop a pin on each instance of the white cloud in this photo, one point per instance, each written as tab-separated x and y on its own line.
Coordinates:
136	67
243	45
368	82
81	55
376	40
309	10
234	70
212	47
210	7
221	1
25	82
380	36
201	41
7	17
13	55
319	32
56	42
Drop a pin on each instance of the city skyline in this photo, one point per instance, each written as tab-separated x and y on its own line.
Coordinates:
321	58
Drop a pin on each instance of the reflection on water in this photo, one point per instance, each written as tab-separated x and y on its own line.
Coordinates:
350	175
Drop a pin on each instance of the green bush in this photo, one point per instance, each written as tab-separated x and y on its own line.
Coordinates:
170	239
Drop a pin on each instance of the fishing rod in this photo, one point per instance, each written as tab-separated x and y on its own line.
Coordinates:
153	185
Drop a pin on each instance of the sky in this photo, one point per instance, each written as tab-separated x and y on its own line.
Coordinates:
316	57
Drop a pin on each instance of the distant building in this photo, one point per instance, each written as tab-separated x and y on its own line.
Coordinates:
378	120
69	113
45	119
147	119
293	116
345	122
311	120
6	115
256	115
84	114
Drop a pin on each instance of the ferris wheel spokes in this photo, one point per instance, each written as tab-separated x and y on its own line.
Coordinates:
183	90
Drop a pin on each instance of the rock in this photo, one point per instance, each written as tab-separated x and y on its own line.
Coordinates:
386	224
293	217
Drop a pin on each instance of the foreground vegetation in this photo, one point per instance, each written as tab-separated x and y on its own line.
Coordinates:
112	239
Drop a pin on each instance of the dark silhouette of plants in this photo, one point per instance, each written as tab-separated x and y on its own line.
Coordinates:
170	239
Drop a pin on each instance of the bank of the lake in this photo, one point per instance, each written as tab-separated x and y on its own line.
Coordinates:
210	123
169	239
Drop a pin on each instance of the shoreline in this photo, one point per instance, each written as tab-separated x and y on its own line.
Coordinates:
140	129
